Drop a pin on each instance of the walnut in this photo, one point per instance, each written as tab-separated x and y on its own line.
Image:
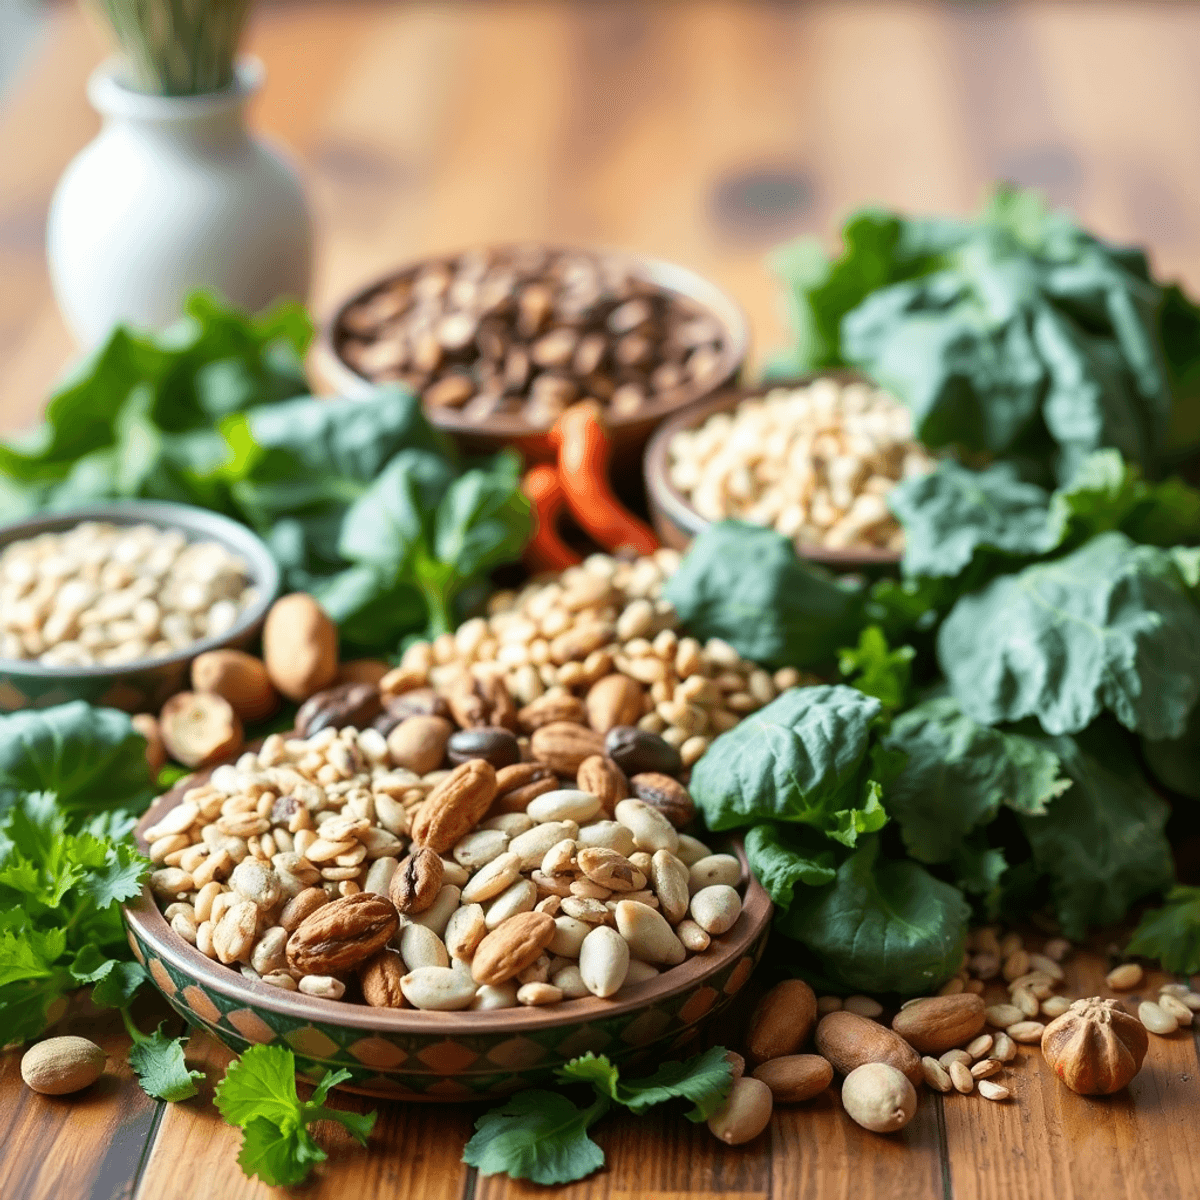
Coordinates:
1095	1047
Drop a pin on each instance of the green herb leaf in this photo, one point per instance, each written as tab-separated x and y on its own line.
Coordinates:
958	774
537	1135
1171	934
745	584
882	924
1108	626
279	1157
798	759
781	856
160	1067
704	1079
875	669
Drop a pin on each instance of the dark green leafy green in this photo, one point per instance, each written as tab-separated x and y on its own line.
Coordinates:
958	774
1175	762
782	856
1109	626
1171	934
801	758
952	513
90	758
882	925
258	1094
745	584
1101	843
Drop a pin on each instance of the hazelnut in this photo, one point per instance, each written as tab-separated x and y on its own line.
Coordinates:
240	678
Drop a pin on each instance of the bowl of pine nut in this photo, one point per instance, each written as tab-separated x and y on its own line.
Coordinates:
110	603
813	458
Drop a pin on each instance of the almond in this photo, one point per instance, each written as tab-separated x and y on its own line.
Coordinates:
848	1041
417	880
419	743
563	746
300	646
380	977
794	1078
482	701
614	700
520	783
782	1022
238	677
603	778
342	934
938	1023
553	706
512	946
455	806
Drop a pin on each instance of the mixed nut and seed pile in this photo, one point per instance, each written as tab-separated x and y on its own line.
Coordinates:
110	594
497	821
815	463
527	331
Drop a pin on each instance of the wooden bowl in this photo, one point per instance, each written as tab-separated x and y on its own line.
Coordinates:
445	1056
629	432
677	522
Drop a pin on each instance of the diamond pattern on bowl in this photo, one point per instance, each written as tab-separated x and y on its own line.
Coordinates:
698	1003
377	1052
447	1058
250	1025
645	1027
583	1039
196	998
517	1053
311	1041
449	1089
162	977
739	975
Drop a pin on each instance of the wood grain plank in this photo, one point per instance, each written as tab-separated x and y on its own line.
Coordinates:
1047	1141
87	1146
414	1149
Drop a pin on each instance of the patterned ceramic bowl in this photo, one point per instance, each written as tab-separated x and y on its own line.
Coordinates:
434	1056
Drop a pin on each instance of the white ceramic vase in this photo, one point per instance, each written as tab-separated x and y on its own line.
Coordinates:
174	194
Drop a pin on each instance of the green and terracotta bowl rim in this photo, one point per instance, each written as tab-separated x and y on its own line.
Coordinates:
677	521
148	924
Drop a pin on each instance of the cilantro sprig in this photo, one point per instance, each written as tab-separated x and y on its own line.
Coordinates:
543	1136
157	1060
258	1094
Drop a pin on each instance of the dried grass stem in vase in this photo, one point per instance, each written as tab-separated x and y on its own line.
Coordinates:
178	47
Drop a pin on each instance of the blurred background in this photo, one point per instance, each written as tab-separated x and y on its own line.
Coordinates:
702	131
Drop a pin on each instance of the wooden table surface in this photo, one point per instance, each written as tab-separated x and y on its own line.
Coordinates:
703	132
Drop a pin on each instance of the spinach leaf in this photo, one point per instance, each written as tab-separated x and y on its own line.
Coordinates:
782	856
800	758
1101	843
958	774
882	925
90	758
1108	626
1175	762
746	585
952	513
875	669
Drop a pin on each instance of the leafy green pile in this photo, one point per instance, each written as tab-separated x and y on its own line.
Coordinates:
362	501
1017	334
543	1136
72	779
1043	642
258	1094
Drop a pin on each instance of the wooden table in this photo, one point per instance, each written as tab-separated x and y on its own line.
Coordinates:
703	132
